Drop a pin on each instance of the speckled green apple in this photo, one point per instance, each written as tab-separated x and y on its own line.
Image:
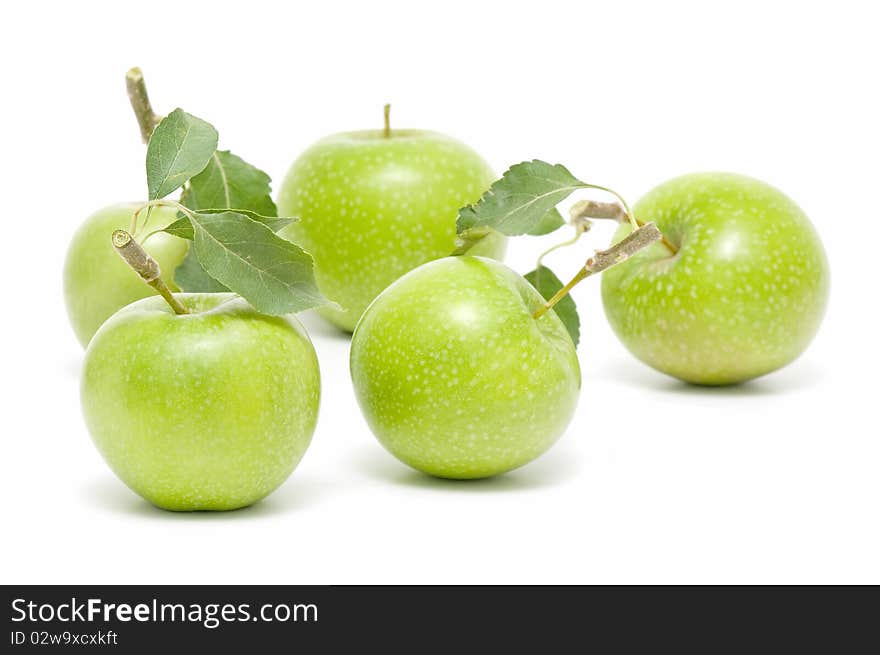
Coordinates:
744	293
373	207
97	282
454	375
210	410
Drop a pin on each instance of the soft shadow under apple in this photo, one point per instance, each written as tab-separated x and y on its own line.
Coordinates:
797	376
110	495
552	469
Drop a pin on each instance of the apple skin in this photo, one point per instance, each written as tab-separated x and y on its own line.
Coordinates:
745	293
97	282
206	411
455	377
373	207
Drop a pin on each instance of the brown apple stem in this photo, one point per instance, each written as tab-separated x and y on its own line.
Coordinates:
140	102
604	259
145	266
666	242
387	131
585	210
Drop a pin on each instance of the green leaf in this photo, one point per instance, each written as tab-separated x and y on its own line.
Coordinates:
190	276
523	201
183	228
227	182
468	239
231	183
180	147
547	284
551	222
271	273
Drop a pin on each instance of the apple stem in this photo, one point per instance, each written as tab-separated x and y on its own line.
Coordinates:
604	259
564	291
145	266
580	227
666	242
133	226
387	111
140	102
587	209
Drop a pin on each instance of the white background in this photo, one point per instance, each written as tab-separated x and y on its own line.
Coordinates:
770	482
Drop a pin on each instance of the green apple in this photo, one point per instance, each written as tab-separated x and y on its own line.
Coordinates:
743	294
455	376
210	410
97	282
374	205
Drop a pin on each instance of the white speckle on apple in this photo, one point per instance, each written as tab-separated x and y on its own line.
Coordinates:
455	376
734	316
407	188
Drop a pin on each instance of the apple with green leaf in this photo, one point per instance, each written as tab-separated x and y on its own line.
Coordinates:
375	204
205	401
738	290
460	368
735	288
97	283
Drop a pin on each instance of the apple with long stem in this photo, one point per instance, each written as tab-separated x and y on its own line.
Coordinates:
375	204
97	283
204	401
735	288
460	367
738	290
